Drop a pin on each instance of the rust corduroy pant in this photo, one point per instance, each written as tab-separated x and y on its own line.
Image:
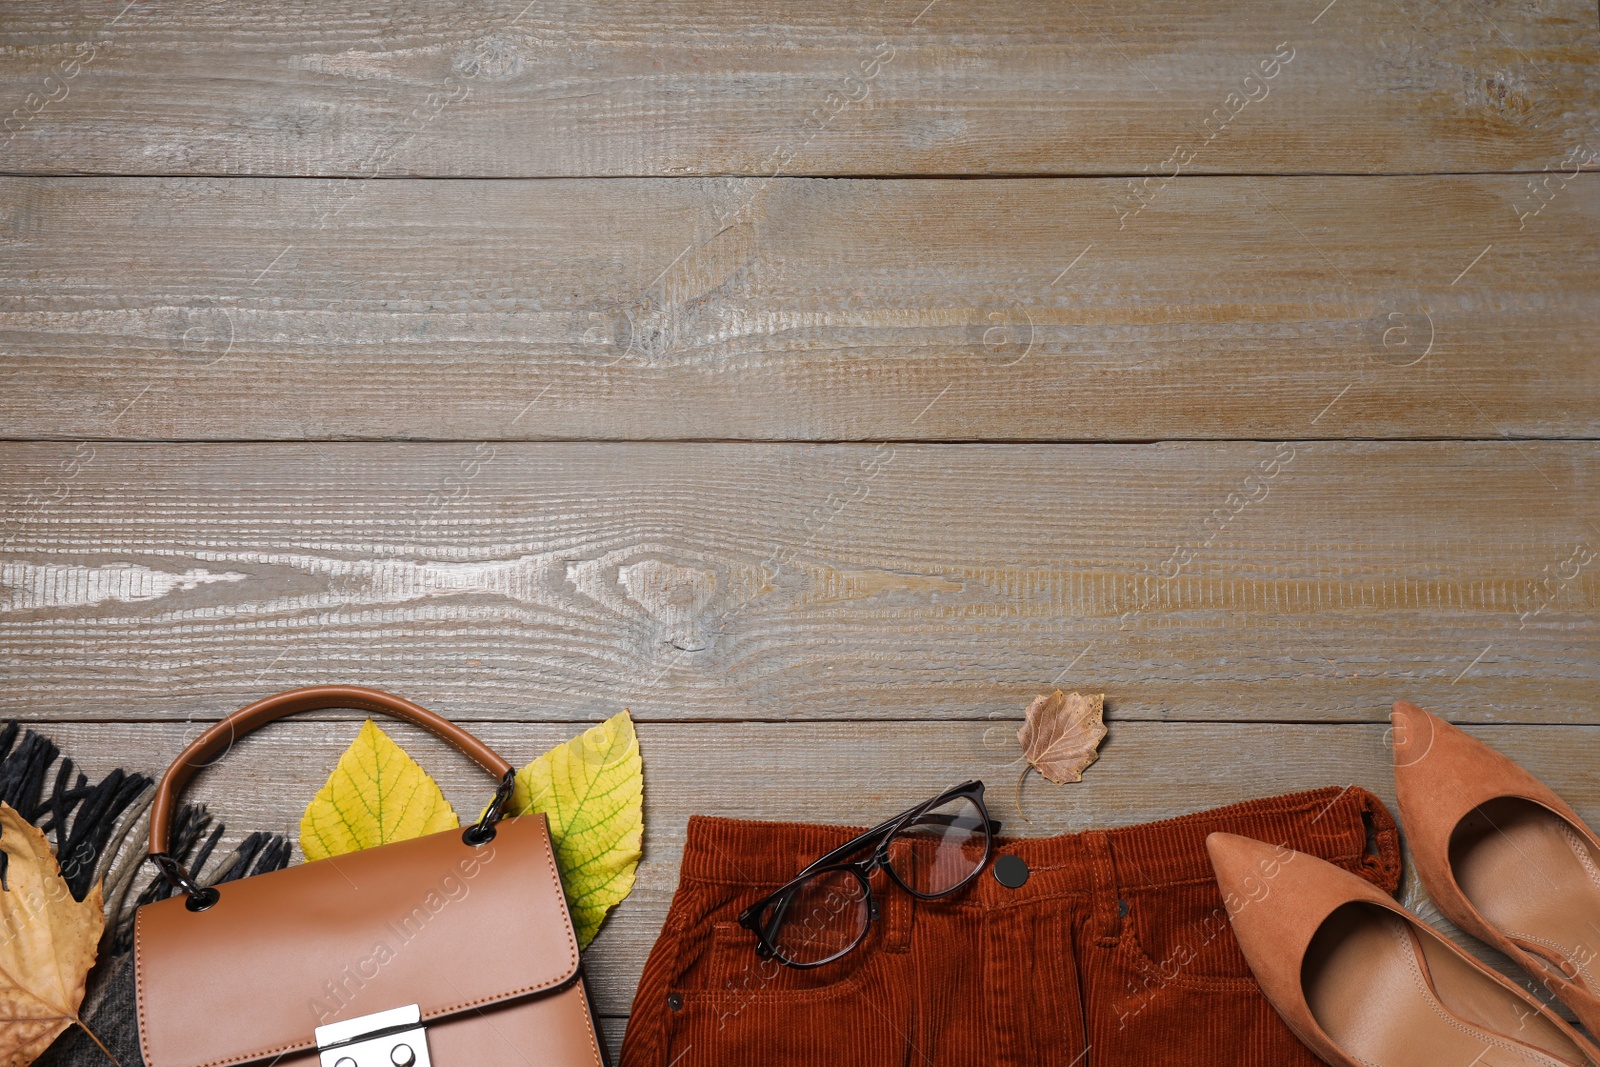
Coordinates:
1116	950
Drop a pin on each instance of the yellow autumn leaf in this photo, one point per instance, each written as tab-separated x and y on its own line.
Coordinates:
377	794
47	944
592	791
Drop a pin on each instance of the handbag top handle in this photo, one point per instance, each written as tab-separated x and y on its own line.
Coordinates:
216	741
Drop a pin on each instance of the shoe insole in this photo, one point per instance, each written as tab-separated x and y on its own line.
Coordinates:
1392	995
1534	877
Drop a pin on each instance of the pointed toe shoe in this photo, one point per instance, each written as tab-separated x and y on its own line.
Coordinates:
1365	983
1504	858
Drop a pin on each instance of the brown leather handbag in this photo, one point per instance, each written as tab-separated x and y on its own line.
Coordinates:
454	949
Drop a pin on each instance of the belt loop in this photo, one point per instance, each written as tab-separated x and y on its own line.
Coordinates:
1383	862
896	908
1107	912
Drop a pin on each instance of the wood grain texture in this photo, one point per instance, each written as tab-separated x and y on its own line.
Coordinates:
1228	223
836	773
628	87
799	309
1298	581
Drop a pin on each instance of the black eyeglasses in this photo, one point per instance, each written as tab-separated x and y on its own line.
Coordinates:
828	907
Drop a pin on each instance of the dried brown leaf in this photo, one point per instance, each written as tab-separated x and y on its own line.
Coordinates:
1062	734
47	944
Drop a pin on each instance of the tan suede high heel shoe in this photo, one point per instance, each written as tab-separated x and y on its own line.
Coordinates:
1364	983
1504	857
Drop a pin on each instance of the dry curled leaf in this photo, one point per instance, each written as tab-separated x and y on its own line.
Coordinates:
1062	734
47	943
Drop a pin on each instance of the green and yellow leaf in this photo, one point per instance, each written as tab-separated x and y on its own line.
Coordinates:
376	795
592	791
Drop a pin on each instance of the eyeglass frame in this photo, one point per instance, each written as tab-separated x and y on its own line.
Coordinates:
878	859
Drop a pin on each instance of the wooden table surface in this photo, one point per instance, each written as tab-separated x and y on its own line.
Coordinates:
821	384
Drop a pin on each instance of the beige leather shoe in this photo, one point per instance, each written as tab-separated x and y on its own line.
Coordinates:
1504	857
1365	983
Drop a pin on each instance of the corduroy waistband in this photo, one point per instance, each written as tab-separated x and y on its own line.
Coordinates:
1348	825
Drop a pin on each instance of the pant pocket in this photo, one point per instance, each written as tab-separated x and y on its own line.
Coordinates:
728	1004
761	1012
1189	1025
1179	993
1180	935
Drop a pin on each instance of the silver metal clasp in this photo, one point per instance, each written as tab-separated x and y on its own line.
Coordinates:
393	1038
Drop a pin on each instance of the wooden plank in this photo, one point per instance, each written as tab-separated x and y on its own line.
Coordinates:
799	309
1298	581
837	773
627	87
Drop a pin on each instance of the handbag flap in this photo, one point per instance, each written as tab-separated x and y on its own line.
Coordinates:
432	921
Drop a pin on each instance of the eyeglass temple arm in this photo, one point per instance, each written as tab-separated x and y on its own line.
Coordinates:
951	820
851	847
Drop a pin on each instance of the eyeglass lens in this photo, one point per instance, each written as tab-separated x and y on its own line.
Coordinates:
948	845
825	916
